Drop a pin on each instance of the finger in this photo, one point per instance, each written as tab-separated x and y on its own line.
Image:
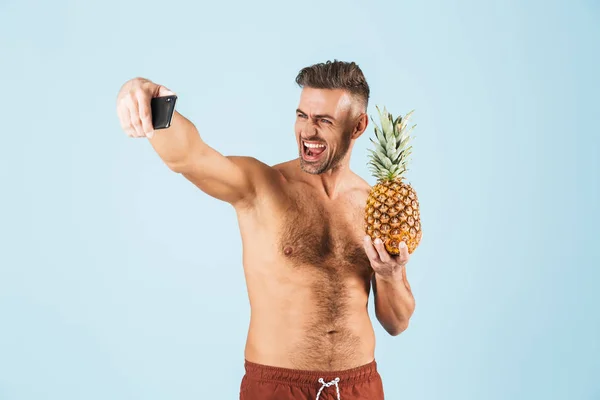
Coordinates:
370	250
125	119
145	114
384	256
134	114
403	256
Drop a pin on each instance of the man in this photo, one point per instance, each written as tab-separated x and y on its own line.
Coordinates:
307	263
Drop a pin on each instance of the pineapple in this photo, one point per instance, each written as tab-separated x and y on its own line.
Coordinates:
392	210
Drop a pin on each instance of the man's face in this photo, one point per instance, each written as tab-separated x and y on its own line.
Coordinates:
325	121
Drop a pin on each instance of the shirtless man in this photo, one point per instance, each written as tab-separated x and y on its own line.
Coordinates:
308	266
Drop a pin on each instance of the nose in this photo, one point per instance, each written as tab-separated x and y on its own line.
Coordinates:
308	129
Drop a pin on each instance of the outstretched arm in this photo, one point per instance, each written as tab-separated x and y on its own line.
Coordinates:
394	302
231	179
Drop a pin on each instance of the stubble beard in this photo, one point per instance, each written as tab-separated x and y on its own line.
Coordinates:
325	164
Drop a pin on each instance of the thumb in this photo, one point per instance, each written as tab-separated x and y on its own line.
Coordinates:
157	90
164	91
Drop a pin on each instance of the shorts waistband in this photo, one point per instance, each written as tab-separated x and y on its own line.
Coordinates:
266	373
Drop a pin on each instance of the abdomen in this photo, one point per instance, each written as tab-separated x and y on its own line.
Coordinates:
310	320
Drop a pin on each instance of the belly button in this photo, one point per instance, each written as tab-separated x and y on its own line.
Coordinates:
287	250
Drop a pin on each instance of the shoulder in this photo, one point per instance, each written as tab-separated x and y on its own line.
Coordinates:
289	170
256	169
362	184
355	195
247	161
269	181
360	187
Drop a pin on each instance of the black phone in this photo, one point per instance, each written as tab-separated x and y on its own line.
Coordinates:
162	109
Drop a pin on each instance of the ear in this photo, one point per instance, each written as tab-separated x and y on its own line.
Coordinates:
361	125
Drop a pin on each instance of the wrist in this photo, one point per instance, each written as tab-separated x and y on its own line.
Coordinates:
392	277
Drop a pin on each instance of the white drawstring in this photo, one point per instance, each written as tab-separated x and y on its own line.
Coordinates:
324	385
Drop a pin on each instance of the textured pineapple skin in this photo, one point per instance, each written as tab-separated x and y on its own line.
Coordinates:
392	214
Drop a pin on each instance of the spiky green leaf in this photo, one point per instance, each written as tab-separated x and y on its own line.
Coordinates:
389	157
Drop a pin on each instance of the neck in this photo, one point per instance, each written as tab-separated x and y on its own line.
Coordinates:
332	182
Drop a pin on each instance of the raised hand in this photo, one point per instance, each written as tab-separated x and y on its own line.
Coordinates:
133	106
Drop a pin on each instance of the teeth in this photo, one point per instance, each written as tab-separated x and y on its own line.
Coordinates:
313	145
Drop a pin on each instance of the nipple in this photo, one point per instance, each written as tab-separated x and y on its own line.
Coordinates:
287	250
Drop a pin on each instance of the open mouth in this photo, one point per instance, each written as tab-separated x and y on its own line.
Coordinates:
313	150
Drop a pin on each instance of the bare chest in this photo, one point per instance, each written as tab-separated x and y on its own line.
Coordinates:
328	238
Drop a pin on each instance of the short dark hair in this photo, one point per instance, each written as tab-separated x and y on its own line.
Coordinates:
336	75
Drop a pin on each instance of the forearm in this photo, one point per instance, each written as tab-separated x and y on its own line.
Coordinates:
176	144
394	302
226	178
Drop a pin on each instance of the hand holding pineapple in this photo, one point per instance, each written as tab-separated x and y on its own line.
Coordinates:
385	265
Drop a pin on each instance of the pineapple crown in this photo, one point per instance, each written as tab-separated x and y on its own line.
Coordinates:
389	159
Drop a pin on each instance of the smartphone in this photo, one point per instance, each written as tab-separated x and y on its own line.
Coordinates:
162	109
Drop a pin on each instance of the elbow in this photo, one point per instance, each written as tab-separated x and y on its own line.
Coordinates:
181	164
178	167
185	160
397	328
395	323
182	157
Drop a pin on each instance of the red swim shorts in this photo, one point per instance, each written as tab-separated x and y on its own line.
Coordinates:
271	383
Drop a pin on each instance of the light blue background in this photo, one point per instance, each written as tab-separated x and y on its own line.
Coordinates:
120	280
